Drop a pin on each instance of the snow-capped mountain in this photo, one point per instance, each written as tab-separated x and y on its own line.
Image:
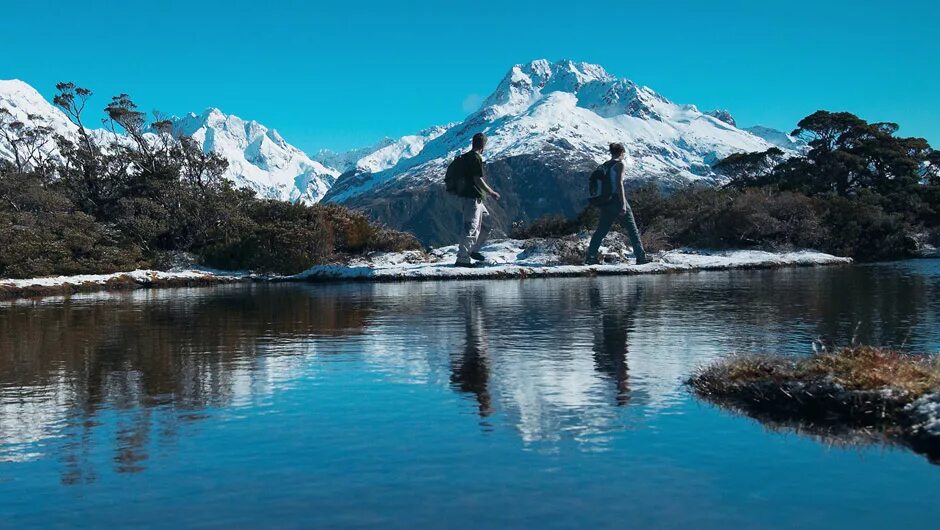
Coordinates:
258	157
549	124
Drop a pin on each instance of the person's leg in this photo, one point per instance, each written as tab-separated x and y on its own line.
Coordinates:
630	223
471	229
607	216
485	227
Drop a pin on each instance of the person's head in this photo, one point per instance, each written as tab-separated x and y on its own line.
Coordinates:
479	142
617	150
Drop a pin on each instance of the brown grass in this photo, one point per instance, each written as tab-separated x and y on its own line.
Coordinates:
856	395
857	368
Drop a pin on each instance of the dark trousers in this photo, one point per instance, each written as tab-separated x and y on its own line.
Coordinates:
609	214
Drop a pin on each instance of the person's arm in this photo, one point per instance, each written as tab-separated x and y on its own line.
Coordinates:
486	187
623	193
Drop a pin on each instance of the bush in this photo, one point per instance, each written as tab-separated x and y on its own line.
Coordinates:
740	219
707	218
290	238
284	238
862	229
355	233
41	234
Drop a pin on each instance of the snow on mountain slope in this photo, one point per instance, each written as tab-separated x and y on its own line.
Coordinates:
572	111
22	101
383	155
777	137
258	157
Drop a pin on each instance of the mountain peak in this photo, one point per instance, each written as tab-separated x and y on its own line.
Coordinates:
564	71
593	87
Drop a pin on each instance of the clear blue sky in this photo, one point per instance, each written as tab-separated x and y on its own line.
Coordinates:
343	74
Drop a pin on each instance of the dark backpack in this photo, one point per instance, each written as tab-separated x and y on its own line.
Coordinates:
600	177
456	179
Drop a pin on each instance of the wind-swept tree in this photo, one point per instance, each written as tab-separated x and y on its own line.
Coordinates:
848	154
750	169
27	141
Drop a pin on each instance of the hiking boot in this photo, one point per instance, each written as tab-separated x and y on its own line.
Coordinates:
592	261
643	261
477	256
464	264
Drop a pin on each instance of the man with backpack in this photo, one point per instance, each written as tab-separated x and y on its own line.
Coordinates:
466	178
612	203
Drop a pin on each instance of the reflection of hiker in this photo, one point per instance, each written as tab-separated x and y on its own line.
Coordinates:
610	341
466	178
612	202
470	372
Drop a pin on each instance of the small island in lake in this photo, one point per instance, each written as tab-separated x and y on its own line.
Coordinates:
858	394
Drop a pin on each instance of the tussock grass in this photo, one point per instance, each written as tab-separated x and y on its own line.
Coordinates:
852	396
857	368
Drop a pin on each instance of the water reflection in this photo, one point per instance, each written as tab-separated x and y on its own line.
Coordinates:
614	320
150	362
551	360
471	369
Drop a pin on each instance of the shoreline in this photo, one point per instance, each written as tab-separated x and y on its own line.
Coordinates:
511	259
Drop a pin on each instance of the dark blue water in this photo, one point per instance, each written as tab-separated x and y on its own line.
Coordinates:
536	403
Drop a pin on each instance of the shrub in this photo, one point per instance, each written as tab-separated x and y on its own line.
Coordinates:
549	226
283	237
41	234
862	229
290	238
355	233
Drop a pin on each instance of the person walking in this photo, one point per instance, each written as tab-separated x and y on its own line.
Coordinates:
466	178
613	204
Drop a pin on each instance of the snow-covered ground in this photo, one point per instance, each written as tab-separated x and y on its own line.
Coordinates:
140	276
508	258
541	258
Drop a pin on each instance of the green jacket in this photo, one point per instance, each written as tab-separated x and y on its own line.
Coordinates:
475	172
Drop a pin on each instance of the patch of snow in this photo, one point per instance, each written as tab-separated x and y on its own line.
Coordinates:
925	412
141	276
778	138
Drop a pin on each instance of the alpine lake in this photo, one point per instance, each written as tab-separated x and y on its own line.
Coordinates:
539	403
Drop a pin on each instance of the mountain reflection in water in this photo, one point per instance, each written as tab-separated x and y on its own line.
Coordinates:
551	360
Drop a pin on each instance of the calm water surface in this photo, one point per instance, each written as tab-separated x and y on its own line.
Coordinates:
537	403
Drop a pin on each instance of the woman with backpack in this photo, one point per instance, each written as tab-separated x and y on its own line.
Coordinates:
612	203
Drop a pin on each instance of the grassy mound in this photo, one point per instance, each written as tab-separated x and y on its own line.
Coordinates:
876	391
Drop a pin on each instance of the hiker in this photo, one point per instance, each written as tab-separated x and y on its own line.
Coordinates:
612	203
466	178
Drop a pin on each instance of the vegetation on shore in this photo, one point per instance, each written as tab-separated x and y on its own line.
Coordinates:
875	392
142	199
858	191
